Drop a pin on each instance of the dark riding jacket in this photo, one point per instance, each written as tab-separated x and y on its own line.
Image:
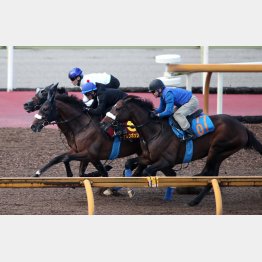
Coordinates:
106	98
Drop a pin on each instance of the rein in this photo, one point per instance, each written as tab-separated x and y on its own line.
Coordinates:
68	120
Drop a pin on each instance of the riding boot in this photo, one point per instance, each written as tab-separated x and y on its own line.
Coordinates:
189	134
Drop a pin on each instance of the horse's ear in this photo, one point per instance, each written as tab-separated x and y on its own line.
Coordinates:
51	93
56	84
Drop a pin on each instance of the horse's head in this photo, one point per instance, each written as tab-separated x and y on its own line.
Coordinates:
40	97
118	113
47	112
127	109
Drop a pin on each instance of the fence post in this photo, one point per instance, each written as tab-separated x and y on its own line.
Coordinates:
204	58
10	66
219	93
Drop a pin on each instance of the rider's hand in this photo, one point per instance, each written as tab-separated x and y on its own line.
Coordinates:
153	115
86	109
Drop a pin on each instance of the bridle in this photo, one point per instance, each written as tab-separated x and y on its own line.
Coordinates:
55	122
116	123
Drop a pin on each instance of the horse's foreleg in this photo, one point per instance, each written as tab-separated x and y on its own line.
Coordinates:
159	165
168	171
82	167
52	162
69	172
66	158
101	168
130	165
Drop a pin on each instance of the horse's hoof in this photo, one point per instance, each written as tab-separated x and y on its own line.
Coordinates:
193	203
131	193
105	192
37	174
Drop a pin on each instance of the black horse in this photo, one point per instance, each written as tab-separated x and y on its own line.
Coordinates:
37	101
91	143
162	149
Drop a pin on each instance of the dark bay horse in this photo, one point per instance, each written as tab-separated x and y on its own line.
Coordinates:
162	149
37	101
91	143
40	97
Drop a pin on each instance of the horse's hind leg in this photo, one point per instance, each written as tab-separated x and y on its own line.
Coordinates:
211	168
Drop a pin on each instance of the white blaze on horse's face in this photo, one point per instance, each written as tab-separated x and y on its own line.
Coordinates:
37	116
110	115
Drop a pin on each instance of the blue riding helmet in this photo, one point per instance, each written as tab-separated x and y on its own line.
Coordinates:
88	87
74	73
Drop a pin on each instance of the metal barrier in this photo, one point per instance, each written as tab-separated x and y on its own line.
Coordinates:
210	68
135	182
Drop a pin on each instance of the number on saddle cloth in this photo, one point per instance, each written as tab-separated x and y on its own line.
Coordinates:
200	123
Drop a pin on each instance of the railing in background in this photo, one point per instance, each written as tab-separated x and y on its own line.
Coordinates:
210	68
10	66
10	58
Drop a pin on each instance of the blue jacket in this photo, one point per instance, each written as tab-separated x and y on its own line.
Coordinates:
172	97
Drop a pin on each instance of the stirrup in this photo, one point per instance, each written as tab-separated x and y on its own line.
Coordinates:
188	136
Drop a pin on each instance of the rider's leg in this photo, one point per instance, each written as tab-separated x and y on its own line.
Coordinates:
185	110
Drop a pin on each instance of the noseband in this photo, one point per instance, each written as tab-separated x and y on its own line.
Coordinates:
46	122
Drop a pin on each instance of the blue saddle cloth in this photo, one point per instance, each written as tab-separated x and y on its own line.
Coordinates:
115	148
201	125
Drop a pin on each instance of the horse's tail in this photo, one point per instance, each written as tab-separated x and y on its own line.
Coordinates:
253	142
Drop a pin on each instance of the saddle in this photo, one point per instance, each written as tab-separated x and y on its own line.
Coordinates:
189	118
200	123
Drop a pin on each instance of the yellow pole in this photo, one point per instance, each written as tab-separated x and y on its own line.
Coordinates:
172	68
90	197
218	197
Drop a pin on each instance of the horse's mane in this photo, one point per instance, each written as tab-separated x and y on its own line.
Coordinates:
72	100
145	103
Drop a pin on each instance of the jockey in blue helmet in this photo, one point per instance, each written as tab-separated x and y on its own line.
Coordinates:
75	75
99	79
104	97
88	89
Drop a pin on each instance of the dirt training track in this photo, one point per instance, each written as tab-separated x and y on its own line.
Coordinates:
23	152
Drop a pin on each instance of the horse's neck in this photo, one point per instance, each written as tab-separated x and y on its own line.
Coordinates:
146	127
71	120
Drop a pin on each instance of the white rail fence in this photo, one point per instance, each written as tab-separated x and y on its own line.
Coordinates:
188	75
